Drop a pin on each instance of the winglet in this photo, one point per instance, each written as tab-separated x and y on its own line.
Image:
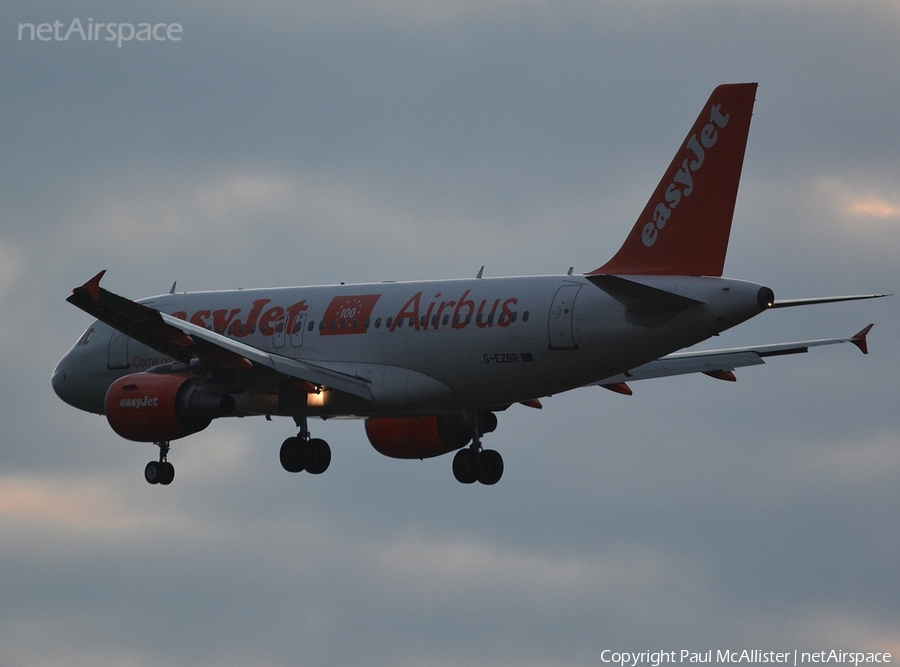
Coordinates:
92	286
860	339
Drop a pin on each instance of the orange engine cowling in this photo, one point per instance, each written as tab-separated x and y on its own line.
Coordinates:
417	437
150	407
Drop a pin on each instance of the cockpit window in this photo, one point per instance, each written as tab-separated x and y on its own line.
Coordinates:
86	337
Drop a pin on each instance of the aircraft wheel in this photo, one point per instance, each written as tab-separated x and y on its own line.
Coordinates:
168	473
466	466
318	456
491	467
292	454
153	472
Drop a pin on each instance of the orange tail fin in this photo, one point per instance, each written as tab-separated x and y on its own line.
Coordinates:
685	226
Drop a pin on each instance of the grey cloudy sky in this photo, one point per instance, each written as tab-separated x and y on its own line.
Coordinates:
303	143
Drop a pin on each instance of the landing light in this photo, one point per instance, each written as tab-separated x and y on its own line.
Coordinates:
316	400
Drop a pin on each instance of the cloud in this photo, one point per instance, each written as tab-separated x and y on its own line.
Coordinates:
861	200
417	14
845	630
147	217
13	263
439	566
875	459
324	219
50	502
874	207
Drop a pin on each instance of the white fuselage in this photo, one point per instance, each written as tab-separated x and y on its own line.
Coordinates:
427	347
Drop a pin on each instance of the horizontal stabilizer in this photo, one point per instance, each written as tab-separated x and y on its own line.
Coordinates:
790	303
641	299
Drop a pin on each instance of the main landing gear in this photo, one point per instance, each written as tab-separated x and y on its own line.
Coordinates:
301	452
161	472
474	464
310	454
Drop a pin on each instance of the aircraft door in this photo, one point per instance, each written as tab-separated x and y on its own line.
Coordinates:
559	323
297	330
278	335
118	351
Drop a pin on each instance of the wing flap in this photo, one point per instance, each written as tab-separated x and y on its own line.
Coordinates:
702	363
720	363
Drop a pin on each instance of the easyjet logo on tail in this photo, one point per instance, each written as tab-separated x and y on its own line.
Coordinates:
682	184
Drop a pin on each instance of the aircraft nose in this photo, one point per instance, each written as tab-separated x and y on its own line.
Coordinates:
81	377
77	388
61	381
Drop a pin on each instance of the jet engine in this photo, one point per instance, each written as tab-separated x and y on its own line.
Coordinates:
150	407
417	437
424	437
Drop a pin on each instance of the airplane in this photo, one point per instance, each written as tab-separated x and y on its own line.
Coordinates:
428	365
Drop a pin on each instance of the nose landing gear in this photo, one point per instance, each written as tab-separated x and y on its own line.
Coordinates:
160	472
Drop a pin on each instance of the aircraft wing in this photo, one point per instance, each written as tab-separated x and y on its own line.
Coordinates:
184	341
720	363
